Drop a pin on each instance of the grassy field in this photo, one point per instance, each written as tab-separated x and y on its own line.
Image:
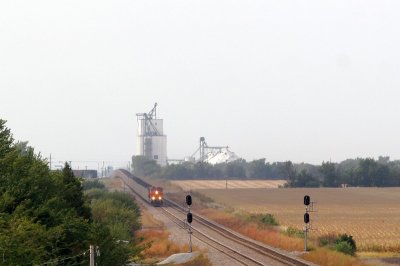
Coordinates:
371	215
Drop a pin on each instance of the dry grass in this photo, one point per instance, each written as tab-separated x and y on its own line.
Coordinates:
148	221
200	260
268	236
272	237
375	255
159	244
370	215
326	257
161	247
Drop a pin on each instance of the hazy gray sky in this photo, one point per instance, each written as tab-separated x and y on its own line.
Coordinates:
285	80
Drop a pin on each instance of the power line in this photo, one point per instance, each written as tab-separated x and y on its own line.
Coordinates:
65	258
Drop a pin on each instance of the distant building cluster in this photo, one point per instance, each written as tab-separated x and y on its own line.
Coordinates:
152	143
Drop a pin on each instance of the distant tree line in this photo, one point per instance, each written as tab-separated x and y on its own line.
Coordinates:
364	172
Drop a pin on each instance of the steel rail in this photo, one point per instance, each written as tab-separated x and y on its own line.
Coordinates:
233	236
273	254
181	224
212	242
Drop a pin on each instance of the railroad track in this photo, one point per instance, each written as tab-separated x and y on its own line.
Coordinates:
212	242
203	229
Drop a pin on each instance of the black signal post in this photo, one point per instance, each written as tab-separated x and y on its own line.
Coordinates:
189	219
307	201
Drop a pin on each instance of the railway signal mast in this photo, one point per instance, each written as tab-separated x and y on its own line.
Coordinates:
309	208
189	219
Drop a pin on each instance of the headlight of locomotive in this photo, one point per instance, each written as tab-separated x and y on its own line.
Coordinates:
159	198
156	192
153	198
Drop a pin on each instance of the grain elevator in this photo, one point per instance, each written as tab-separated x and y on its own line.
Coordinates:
151	141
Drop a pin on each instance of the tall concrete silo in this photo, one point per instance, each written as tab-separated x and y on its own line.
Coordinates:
151	141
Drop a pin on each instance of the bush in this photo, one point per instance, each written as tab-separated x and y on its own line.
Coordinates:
344	247
95	193
346	244
343	243
291	231
124	199
89	184
266	219
328	240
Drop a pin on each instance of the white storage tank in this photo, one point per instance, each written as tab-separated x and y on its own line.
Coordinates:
151	141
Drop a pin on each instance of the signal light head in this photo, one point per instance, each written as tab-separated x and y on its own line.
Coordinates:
306	200
306	218
189	200
189	217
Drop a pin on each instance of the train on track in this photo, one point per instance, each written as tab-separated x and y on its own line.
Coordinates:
154	195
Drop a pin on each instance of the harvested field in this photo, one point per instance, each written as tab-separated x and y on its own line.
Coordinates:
371	215
187	185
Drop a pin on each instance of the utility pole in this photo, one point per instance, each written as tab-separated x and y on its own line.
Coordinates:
50	161
91	255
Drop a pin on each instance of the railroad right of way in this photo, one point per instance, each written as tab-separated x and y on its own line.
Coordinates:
241	249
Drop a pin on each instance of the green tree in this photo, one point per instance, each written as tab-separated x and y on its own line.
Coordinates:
366	172
305	179
235	169
289	172
382	176
143	166
257	169
178	171
202	170
73	192
116	218
6	139
330	177
36	223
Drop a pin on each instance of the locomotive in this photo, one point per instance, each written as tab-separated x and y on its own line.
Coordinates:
155	195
